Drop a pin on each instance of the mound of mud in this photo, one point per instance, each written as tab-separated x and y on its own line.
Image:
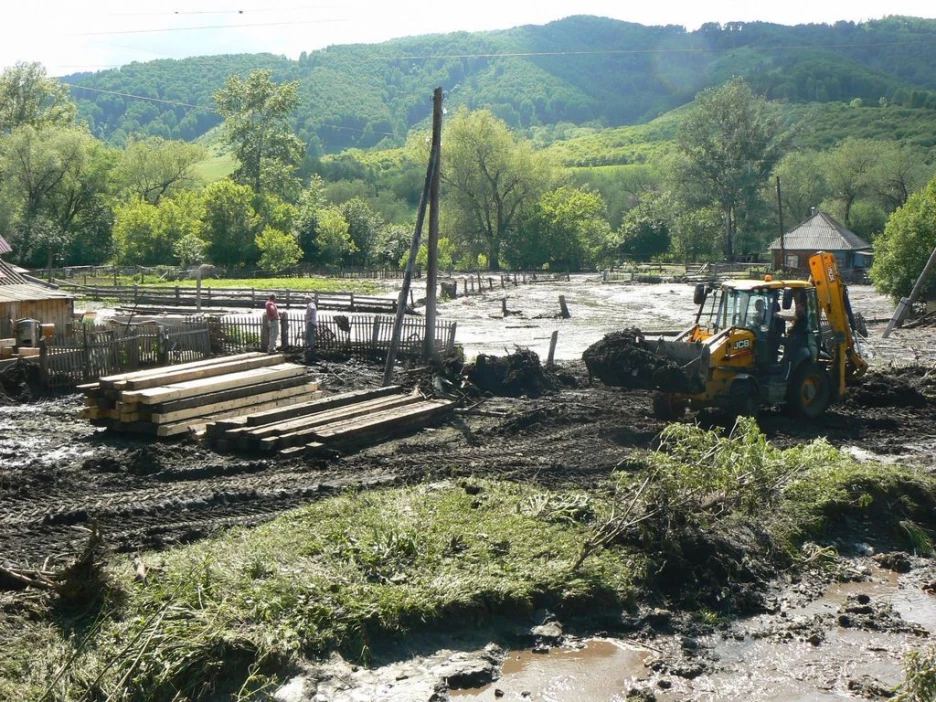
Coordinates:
884	389
516	374
15	381
623	359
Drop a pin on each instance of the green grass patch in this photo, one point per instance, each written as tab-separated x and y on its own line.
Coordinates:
337	575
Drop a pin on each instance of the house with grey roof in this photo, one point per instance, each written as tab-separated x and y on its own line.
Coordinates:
22	296
822	232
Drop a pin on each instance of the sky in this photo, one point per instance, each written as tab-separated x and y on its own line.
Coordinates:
70	36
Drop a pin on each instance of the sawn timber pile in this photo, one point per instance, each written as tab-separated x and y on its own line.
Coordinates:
181	399
341	422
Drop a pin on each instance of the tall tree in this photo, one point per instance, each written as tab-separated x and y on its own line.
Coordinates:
490	177
850	172
155	167
28	96
730	142
256	115
906	244
55	176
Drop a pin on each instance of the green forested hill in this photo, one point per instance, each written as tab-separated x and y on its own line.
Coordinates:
580	70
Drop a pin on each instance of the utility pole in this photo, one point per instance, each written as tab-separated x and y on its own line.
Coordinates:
782	247
907	302
410	265
432	244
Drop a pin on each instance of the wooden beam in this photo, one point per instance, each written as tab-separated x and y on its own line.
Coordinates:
191	388
250	401
172	375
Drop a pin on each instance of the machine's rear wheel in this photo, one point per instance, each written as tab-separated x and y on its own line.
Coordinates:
809	392
745	400
666	407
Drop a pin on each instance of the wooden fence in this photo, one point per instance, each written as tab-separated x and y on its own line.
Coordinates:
94	353
365	336
251	298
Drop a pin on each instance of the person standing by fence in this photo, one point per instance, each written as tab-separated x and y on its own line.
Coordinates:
311	322
271	321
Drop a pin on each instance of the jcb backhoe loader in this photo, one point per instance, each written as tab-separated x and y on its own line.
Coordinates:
763	342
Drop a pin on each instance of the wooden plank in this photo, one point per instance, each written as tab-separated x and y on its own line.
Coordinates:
199	424
301	434
426	408
108	381
224	395
191	388
249	401
171	375
326	403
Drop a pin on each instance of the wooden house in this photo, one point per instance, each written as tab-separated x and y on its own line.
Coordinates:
822	232
23	297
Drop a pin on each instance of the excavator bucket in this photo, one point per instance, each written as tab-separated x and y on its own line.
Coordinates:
685	374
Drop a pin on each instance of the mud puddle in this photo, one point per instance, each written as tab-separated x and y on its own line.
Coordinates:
596	669
848	643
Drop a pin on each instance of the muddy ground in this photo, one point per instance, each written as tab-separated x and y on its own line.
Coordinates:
58	475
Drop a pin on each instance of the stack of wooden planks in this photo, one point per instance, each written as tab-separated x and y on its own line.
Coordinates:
336	423
179	399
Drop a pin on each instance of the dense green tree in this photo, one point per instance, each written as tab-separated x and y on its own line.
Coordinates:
363	227
278	250
906	244
802	185
490	177
257	127
645	233
332	241
230	224
146	234
153	168
850	173
53	179
730	142
566	229
28	96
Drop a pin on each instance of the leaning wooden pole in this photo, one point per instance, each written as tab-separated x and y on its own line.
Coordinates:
906	303
432	243
408	273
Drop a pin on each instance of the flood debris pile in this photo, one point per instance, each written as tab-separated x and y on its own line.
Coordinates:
15	382
516	374
904	387
624	359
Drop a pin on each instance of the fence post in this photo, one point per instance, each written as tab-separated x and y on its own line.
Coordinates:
552	348
284	332
162	346
564	307
352	302
85	356
43	364
133	352
450	346
177	294
375	337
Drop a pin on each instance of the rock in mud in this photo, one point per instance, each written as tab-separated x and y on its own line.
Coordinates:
624	359
897	561
15	381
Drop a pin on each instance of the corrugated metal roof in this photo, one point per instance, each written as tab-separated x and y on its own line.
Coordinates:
820	233
22	292
4	247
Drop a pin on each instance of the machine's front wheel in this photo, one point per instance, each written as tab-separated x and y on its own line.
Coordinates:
666	407
810	391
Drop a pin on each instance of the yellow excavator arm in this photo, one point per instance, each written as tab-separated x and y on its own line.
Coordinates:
833	300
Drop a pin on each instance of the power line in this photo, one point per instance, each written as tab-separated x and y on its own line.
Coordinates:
203	27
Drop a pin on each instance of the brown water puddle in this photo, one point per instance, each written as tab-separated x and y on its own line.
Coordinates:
744	667
599	670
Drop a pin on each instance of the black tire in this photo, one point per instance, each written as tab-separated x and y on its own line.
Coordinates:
666	408
809	392
745	400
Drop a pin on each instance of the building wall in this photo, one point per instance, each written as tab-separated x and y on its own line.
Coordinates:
57	311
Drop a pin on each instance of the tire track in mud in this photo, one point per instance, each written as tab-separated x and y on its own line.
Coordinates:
162	515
